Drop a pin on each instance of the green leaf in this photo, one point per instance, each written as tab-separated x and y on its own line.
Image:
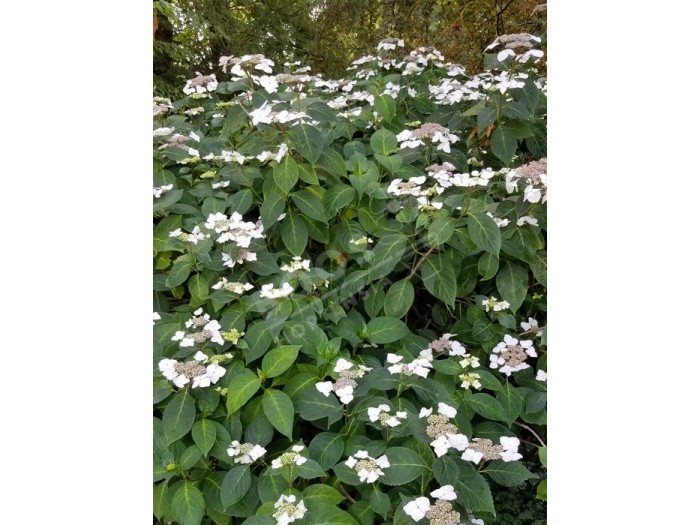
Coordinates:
180	271
279	359
383	330
235	485
321	495
337	197
512	283
484	232
178	416
295	234
473	491
445	470
439	278
488	265
313	405
327	515
542	453
307	140
327	448
161	233
379	501
271	209
333	162
160	499
542	490
504	144
258	338
392	162
383	142
286	174
309	470
440	231
204	435
241	388
512	402
399	298
279	411
487	406
310	205
486	117
406	466
188	504
507	473
198	287
385	106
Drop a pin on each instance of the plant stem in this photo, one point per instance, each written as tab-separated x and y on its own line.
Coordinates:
420	261
532	432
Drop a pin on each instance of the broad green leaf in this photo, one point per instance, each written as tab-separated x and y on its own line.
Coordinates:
486	117
188	504
333	162
383	330
235	485
310	205
399	298
160	499
487	406
258	338
472	490
286	174
507	473
440	231
180	271
488	265
204	435
512	402
271	209
321	495
295	235
307	140
327	448
542	453
178	416
279	359
309	470
406	466
198	287
512	283
484	232
385	106
383	142
241	388
313	405
445	470
504	144
337	197
279	410
327	515
380	502
542	490
439	278
161	233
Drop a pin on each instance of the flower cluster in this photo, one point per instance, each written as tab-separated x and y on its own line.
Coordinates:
367	468
495	305
182	373
235	287
510	355
382	414
419	366
481	448
534	175
245	452
288	510
412	138
270	292
445	342
412	186
442	431
192	238
234	229
201	84
345	385
290	458
440	512
202	329
296	264
159	190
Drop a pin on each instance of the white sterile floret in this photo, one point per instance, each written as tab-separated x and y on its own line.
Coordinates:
158	191
290	458
417	508
494	304
182	373
296	264
419	366
266	156
541	375
510	355
288	510
201	84
410	187
447	493
368	469
235	287
527	219
382	414
270	292
245	453
446	410
362	241
162	132
156	317
262	114
470	380
268	83
530	324
501	223
221	184
510	448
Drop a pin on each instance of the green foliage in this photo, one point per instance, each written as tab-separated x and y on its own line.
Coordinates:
352	303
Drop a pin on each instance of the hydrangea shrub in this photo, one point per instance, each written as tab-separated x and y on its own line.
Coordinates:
350	290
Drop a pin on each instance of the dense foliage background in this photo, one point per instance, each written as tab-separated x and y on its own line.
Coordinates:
191	35
350	291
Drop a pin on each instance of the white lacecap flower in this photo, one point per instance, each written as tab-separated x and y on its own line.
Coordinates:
446	492
288	459
417	508
270	292
368	469
541	375
510	355
156	317
446	410
530	324
245	453
288	510
296	264
527	219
